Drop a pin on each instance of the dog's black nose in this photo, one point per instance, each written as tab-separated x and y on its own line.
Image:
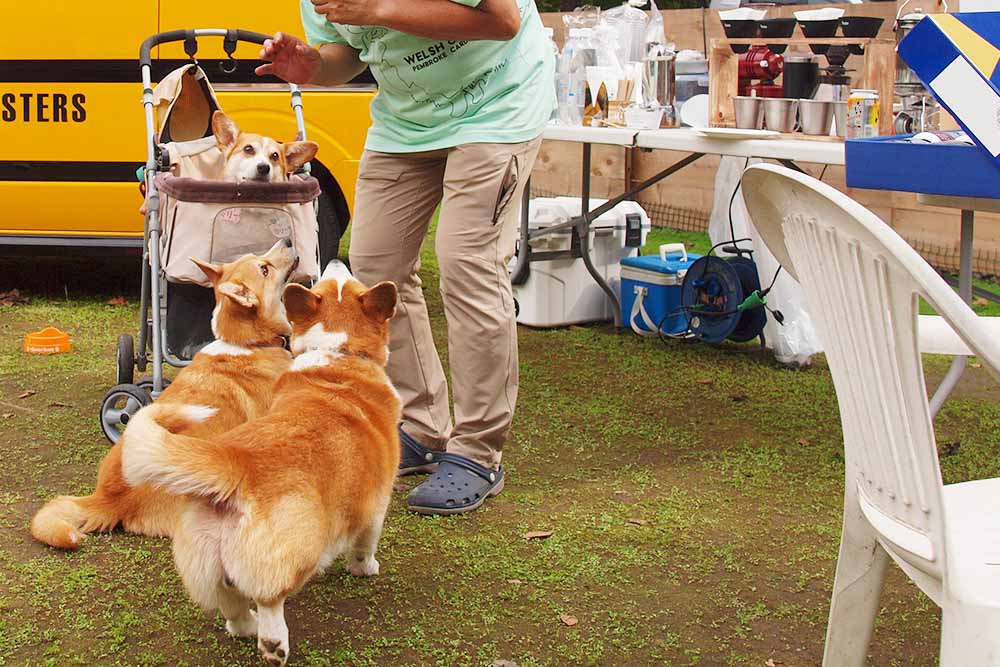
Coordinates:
288	243
263	168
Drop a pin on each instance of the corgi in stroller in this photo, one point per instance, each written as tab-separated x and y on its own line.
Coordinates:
212	193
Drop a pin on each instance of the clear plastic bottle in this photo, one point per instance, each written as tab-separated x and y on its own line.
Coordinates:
571	75
550	33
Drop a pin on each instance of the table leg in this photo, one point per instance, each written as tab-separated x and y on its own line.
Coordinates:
965	291
519	274
583	234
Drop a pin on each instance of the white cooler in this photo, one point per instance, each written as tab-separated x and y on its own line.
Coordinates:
561	292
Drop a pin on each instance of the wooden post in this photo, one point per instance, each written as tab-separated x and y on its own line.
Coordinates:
880	74
723	68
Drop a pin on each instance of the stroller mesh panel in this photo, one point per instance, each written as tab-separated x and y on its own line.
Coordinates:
242	230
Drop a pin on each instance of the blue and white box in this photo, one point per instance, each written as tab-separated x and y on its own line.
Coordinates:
651	291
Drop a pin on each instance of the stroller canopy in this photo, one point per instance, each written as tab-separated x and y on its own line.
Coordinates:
184	103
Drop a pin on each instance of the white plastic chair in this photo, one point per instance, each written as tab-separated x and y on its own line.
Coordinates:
862	282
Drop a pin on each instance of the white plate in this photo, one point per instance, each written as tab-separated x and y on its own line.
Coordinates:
736	133
694	112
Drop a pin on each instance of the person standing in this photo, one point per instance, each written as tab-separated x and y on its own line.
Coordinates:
465	89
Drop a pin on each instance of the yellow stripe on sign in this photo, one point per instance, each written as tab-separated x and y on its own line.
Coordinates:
981	53
68	209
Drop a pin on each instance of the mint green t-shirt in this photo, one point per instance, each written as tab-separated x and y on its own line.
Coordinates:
437	94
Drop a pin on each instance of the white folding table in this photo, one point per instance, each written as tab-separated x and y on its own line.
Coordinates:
786	151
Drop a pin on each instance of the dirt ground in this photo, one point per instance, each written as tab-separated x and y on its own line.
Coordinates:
693	494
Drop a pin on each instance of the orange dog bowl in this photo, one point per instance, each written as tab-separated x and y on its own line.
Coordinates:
47	341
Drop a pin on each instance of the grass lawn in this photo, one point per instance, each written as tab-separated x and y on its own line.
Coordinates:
693	493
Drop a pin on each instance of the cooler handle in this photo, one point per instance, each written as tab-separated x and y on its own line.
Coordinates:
667	248
638	309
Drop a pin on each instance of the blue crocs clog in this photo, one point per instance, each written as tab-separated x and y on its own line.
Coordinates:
458	485
414	457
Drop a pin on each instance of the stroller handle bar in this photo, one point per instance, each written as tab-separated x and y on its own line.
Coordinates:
191	43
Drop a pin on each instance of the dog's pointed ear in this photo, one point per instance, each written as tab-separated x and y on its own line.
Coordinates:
225	130
300	302
239	294
297	153
211	271
379	302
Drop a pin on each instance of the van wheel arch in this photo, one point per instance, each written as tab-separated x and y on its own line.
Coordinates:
334	214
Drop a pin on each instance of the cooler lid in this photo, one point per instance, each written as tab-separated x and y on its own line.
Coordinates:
674	262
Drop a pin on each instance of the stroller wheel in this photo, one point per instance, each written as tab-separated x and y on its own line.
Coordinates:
146	384
119	405
126	359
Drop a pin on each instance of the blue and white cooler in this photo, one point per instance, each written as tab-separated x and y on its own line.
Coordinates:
560	291
651	291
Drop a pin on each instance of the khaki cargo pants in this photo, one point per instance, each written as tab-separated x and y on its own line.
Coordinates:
479	187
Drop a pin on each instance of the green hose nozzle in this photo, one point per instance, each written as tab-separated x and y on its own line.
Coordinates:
755	300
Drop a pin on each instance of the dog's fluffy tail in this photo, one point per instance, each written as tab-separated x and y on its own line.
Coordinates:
179	464
64	521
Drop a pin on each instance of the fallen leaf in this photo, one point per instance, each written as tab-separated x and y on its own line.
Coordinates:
771	662
949	448
514	582
12	298
537	535
738	398
397	487
504	663
977	365
706	381
803	442
8	415
59	404
28	394
568	620
638	522
980	301
117	301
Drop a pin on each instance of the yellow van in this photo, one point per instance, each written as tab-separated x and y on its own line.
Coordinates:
72	131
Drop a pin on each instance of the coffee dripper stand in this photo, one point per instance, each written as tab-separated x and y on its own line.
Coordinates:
835	80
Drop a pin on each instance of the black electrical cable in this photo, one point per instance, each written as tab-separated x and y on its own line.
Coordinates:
773	280
739	184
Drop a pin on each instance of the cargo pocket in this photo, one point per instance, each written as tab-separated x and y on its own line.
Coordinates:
508	185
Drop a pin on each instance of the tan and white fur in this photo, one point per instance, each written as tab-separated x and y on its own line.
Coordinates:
254	157
231	381
285	495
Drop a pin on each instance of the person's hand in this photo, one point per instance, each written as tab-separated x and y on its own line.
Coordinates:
289	59
350	12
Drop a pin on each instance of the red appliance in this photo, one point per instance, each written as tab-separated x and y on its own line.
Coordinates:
763	65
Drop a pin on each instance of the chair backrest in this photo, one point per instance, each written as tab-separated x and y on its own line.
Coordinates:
862	282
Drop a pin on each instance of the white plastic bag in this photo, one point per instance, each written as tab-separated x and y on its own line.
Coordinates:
655	32
796	340
628	25
582	17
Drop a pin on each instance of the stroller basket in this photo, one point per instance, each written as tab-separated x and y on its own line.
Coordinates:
219	221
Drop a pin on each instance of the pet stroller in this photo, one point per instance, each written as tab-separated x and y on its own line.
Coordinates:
190	212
